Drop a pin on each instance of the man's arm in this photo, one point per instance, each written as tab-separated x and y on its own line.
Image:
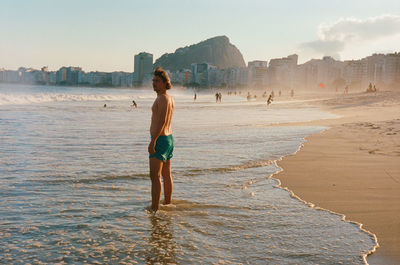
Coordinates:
162	106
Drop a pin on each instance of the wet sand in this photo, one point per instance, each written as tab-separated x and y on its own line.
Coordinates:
353	168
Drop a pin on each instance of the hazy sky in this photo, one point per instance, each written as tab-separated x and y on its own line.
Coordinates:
105	35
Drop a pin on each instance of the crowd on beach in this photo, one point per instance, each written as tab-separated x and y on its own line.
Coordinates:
218	96
269	98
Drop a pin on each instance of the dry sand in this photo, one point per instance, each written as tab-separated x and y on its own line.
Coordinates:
353	168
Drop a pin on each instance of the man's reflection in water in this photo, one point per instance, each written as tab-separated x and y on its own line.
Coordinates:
162	244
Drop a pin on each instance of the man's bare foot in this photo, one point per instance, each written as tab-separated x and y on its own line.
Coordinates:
150	209
165	202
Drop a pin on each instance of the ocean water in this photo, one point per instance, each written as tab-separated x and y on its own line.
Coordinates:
74	183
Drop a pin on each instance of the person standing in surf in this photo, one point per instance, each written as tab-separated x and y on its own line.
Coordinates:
161	145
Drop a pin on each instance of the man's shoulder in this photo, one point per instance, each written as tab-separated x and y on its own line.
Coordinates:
165	97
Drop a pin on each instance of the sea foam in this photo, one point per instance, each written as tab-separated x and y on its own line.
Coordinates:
11	99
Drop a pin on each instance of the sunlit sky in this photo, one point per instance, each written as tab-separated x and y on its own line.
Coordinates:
105	35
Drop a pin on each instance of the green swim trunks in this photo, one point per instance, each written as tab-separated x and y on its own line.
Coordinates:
164	148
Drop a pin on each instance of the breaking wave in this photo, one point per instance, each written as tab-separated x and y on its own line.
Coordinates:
19	99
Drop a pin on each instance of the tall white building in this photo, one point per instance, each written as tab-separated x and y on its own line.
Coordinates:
317	74
391	69
355	73
201	74
143	68
282	71
257	73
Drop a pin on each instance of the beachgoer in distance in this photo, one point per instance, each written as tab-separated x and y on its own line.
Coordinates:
370	87
195	97
162	143
216	97
105	105
134	104
270	98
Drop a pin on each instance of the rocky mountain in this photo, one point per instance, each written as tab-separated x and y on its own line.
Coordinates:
217	51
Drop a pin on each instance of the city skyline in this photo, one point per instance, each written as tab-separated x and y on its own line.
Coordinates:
27	67
379	69
105	36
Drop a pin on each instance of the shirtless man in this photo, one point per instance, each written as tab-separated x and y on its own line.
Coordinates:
162	143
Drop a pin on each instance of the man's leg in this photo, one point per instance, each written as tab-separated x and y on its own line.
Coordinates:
155	176
167	178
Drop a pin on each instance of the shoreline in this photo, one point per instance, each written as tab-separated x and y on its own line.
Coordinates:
343	216
351	168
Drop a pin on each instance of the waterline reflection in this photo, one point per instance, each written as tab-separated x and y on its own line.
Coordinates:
162	244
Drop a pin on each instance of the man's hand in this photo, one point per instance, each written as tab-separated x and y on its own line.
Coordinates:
151	147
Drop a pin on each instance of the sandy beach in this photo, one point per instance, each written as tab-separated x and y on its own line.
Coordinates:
353	168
